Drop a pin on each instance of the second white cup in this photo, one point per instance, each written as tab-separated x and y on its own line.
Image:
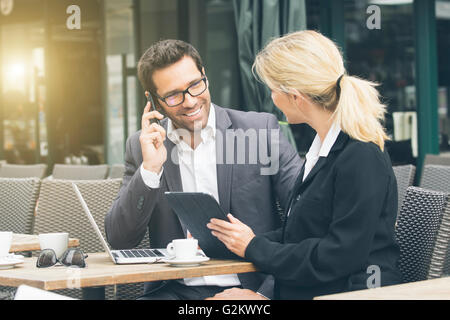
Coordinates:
59	242
183	248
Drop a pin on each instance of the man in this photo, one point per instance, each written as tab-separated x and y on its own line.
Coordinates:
197	148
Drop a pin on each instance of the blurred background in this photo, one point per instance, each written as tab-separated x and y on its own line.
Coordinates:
69	91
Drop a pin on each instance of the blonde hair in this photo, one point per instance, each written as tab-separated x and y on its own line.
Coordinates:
312	64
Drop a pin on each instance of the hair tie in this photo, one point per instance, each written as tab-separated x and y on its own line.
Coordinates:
338	86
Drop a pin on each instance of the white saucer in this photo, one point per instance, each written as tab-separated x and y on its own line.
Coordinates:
193	262
10	261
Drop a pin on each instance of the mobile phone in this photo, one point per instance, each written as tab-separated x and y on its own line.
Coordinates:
150	99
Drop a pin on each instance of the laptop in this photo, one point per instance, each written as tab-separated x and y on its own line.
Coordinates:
122	256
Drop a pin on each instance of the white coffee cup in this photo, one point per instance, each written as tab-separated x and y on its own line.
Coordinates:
59	242
5	242
183	248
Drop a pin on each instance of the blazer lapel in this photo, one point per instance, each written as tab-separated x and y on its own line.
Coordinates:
224	170
171	171
338	145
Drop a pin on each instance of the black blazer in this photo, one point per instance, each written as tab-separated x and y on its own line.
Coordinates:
342	221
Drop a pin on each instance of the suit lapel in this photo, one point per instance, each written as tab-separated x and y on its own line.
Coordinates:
224	171
338	145
171	171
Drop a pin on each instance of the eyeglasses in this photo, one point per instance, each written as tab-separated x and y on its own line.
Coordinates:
70	258
177	98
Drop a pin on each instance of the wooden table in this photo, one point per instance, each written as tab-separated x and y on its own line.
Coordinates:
435	289
101	271
30	242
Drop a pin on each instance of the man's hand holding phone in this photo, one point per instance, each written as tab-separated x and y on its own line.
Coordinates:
152	137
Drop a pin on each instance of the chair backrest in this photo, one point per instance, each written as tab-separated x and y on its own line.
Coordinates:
23	170
80	172
18	198
440	261
59	209
418	227
405	178
436	177
436	160
116	171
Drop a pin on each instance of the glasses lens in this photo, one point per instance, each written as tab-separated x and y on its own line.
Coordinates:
197	88
174	99
47	258
73	257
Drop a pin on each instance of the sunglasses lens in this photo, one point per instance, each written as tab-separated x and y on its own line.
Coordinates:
47	258
73	257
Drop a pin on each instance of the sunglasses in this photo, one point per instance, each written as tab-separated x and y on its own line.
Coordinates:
71	258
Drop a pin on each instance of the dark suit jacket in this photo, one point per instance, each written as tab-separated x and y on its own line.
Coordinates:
341	222
243	191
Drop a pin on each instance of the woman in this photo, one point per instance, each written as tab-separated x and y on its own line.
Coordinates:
339	226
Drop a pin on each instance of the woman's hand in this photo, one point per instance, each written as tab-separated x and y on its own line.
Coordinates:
234	234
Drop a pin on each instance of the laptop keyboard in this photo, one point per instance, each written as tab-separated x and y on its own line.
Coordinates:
141	253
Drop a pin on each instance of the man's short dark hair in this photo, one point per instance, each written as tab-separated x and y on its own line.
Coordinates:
161	55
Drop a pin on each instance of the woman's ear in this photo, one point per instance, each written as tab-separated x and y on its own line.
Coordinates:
297	97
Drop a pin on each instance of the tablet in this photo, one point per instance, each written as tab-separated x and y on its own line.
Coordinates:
195	210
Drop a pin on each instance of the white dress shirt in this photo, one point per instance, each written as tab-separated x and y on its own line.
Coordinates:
319	149
198	174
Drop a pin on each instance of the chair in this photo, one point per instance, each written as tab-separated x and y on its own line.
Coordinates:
422	238
80	172
436	177
60	210
23	171
405	178
18	198
436	160
116	171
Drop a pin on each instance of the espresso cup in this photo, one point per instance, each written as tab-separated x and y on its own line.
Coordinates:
58	242
183	248
5	242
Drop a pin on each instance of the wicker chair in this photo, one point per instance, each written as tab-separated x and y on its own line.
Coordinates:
405	178
80	172
436	160
436	177
60	210
18	198
23	171
116	171
422	238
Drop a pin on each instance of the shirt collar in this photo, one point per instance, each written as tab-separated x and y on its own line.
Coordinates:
319	149
207	133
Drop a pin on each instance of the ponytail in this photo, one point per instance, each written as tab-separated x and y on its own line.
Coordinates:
359	111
